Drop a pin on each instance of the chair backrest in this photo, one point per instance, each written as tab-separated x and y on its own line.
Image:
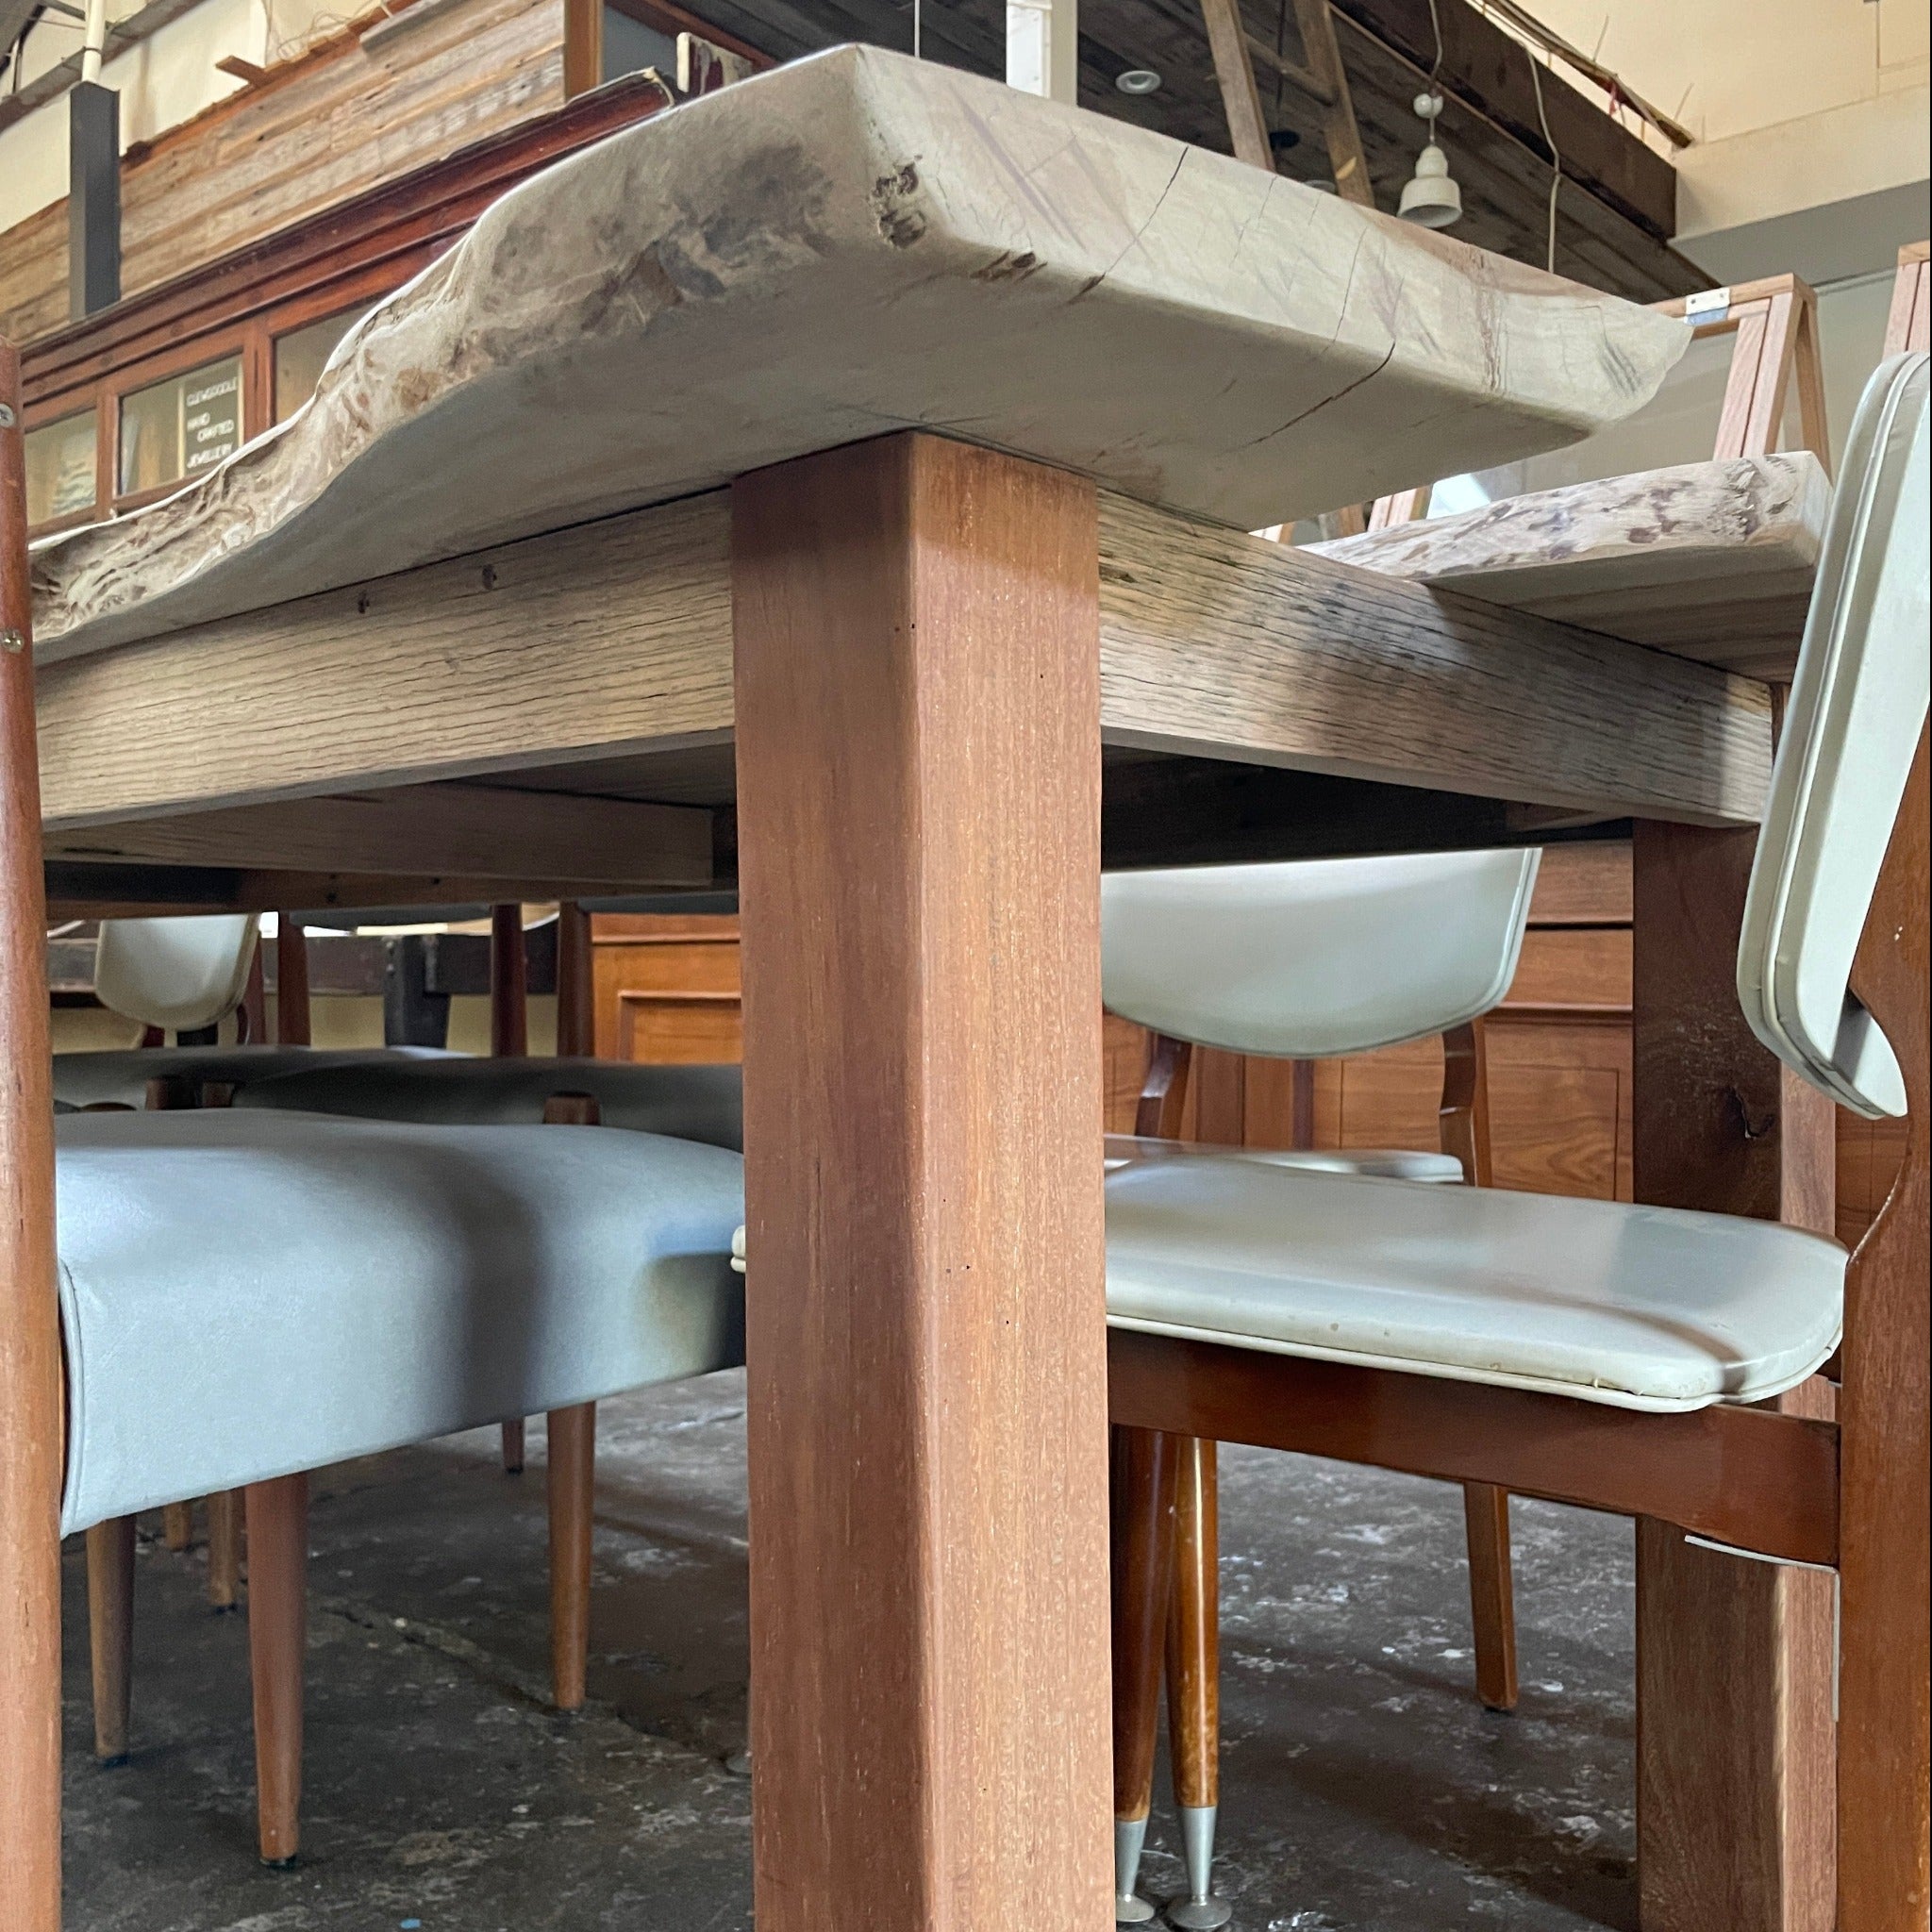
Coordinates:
1314	957
180	974
1857	708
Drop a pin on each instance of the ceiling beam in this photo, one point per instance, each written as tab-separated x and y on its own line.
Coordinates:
1490	72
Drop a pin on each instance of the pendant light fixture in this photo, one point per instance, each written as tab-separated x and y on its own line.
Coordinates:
1431	197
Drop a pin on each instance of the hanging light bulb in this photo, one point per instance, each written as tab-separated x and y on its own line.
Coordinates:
1430	197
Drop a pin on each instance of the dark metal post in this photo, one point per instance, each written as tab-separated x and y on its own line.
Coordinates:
93	198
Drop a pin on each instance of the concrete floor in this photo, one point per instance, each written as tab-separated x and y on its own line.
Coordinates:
1365	1790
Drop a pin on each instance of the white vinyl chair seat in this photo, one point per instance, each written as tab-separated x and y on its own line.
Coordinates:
243	1296
1383	1163
1637	1307
90	1080
695	1103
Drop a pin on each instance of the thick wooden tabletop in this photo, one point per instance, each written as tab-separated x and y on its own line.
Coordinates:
1713	561
855	244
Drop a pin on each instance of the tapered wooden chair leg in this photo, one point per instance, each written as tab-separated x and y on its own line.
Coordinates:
573	1480
224	1515
177	1525
508	1035
110	1632
1144	1462
1491	1593
1194	1681
277	1635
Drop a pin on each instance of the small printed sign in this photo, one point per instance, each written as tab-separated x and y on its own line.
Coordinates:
210	418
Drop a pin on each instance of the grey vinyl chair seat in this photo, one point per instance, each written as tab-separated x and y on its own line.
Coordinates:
246	1296
1382	1163
121	1076
695	1103
1637	1307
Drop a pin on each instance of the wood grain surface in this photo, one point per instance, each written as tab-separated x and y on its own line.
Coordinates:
1713	561
615	639
918	793
477	831
1885	1710
1735	1739
30	1369
1687	1467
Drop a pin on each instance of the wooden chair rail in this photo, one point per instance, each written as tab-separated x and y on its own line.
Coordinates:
1749	1477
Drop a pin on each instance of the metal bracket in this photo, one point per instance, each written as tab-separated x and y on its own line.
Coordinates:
1706	306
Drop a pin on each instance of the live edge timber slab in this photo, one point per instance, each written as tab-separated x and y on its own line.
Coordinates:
614	638
853	244
1713	561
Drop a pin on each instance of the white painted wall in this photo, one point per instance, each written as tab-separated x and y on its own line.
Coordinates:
1811	120
1726	67
163	80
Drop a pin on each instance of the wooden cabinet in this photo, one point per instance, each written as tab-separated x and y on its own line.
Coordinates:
666	987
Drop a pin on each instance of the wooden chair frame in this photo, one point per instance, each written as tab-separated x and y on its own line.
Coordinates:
277	1512
1852	1494
1175	1498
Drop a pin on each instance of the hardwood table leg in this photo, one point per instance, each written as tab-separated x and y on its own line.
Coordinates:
1735	1790
1885	1565
30	1393
917	639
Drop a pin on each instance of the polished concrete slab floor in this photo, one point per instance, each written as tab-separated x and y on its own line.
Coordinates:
1365	1790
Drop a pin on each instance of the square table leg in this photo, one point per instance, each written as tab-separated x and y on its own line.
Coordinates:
1735	1780
30	1395
916	627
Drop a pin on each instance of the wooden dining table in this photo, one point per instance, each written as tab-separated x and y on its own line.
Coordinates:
838	490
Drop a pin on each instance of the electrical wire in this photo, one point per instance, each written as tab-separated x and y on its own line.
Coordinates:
1536	78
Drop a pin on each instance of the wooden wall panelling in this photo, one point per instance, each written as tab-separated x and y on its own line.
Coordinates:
340	121
347	253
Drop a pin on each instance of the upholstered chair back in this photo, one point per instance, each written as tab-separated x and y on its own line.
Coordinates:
1851	730
180	974
1314	957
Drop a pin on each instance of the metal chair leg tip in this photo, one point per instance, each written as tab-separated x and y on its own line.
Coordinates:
1132	1910
1199	1914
